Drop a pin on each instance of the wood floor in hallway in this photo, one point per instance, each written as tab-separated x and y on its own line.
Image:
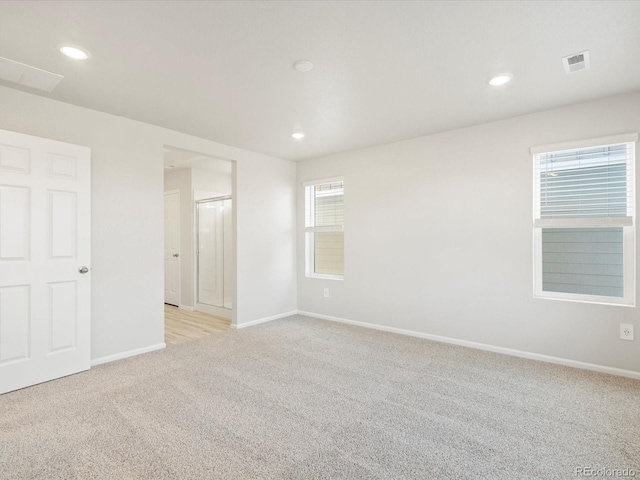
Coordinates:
182	325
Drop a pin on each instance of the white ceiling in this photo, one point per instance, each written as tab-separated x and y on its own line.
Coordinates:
384	71
185	159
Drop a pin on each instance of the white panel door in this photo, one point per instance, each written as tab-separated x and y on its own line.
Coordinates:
45	241
172	248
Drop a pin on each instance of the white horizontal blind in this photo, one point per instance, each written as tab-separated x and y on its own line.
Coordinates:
325	205
324	226
593	183
583	204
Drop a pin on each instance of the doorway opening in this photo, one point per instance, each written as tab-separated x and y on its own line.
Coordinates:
198	245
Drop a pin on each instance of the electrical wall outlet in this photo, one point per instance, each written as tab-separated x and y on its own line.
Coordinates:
626	331
326	293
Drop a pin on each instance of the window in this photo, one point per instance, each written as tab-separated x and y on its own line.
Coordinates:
584	222
324	228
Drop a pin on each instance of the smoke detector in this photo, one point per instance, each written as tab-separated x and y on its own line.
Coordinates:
576	62
303	66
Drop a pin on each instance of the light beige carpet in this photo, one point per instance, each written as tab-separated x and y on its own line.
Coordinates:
304	398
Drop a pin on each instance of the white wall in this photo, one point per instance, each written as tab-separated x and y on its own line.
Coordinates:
438	238
268	192
127	227
207	181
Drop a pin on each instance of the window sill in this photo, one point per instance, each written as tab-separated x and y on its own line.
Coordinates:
594	300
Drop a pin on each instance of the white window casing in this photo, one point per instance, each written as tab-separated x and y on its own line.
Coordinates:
584	220
324	228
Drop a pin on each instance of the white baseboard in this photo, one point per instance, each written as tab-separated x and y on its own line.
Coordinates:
129	353
212	310
264	320
184	307
483	346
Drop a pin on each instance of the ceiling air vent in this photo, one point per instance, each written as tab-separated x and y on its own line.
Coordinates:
27	75
577	62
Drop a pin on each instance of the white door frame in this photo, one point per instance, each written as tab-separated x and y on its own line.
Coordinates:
173	192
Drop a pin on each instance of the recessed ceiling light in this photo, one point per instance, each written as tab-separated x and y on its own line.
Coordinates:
170	166
303	65
73	51
298	135
500	79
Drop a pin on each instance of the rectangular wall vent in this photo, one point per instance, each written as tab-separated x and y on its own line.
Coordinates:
577	62
28	76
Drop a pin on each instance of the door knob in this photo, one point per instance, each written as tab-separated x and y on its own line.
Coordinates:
83	270
176	255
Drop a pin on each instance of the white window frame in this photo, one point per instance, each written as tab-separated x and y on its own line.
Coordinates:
309	240
629	228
